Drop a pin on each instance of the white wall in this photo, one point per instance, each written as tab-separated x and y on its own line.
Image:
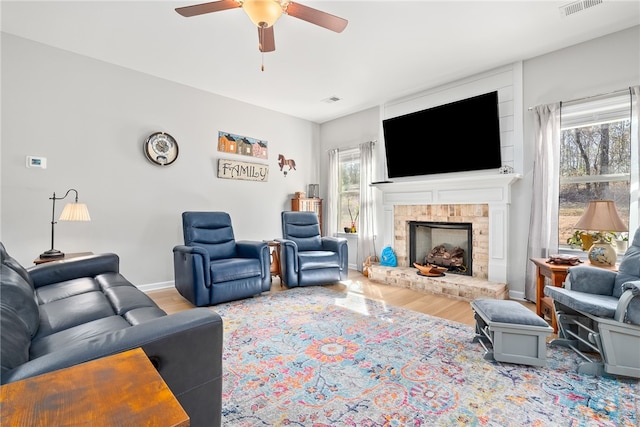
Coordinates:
601	65
89	119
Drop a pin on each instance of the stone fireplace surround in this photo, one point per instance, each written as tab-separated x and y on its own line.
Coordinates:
482	199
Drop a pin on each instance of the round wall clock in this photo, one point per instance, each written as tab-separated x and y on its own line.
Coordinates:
161	148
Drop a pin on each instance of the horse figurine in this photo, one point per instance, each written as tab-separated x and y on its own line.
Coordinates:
282	162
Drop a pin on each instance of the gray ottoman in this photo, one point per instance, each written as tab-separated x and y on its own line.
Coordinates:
516	334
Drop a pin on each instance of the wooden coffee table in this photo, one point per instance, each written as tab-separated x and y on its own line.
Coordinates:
120	390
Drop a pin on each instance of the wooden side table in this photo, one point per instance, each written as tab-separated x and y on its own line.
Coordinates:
557	273
120	390
66	256
274	249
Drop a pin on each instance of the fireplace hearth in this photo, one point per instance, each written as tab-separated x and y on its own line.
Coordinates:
445	244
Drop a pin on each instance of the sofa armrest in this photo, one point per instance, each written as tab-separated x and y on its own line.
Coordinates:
334	244
288	261
592	280
628	309
250	248
339	245
259	250
74	268
190	262
633	286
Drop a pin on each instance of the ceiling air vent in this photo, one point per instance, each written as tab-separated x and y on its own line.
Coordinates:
331	100
578	6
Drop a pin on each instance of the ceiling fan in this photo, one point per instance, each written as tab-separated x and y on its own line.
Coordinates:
264	13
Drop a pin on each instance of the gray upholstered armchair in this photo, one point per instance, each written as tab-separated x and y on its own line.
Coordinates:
307	258
212	267
598	311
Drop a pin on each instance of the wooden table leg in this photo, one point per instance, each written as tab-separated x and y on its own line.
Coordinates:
554	322
539	291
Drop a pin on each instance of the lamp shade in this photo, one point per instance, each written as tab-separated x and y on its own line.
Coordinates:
601	215
75	212
263	13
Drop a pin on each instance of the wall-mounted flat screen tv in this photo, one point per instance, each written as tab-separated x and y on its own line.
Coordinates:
457	137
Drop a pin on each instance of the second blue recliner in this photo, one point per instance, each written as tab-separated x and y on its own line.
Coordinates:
212	267
307	258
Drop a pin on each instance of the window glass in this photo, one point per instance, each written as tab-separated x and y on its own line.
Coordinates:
349	189
595	161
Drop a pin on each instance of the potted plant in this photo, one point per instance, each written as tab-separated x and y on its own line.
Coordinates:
584	239
580	239
353	219
622	242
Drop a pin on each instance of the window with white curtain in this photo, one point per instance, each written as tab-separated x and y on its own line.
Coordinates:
348	189
595	158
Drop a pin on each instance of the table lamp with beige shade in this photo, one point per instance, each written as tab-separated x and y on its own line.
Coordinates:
601	216
71	212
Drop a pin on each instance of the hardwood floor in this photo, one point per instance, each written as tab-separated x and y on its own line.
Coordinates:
460	311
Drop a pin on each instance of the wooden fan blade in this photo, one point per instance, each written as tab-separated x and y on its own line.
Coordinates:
318	17
266	39
214	6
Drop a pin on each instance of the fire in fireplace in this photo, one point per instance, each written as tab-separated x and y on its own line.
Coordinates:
445	244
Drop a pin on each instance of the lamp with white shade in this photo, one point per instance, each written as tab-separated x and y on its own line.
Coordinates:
601	216
71	212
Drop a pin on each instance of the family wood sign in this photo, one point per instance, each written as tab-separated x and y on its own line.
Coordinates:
232	169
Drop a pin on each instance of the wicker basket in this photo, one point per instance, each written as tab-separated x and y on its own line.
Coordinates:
367	263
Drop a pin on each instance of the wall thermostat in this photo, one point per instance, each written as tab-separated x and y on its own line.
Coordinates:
36	162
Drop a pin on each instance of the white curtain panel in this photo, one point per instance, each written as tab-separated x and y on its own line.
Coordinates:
367	205
543	228
331	219
634	202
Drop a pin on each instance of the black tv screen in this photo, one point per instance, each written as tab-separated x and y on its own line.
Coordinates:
457	137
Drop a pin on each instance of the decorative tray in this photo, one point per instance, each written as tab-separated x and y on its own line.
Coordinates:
429	270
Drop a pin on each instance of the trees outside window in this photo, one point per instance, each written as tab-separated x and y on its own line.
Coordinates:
349	189
595	159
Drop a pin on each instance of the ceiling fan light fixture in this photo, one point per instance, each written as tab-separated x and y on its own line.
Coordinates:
264	13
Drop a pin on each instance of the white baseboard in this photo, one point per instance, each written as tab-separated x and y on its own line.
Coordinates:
155	286
518	295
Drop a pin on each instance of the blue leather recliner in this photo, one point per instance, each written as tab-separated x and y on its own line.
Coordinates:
307	258
212	267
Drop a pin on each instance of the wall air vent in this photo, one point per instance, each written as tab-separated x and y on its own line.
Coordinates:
578	6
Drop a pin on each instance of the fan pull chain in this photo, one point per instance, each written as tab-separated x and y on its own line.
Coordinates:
262	65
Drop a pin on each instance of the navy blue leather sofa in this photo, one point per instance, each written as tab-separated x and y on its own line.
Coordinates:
60	314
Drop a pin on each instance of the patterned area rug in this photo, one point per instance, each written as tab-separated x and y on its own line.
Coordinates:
316	357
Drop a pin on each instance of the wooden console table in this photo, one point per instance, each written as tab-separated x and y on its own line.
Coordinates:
120	390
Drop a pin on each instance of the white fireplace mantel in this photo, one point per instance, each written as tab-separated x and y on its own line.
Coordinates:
491	189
